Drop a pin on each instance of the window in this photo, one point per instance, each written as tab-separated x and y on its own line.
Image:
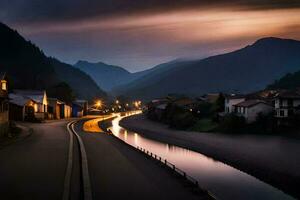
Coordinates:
3	85
281	113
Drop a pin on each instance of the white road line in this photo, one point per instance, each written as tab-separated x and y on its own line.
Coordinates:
85	170
67	183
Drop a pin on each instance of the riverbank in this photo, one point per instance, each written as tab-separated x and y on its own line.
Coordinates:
272	159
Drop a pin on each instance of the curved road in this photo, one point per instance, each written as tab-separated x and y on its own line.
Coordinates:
35	168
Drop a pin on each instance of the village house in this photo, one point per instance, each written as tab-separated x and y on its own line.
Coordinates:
157	107
77	110
287	104
58	109
186	104
4	114
84	104
21	108
231	100
210	97
38	103
250	109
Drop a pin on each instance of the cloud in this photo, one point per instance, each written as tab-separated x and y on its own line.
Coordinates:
21	11
141	33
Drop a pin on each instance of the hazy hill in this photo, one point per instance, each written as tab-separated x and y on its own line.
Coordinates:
147	76
28	68
108	76
245	70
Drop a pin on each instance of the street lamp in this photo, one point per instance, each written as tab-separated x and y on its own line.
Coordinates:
99	104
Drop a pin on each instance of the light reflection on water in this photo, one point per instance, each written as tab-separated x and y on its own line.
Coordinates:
223	181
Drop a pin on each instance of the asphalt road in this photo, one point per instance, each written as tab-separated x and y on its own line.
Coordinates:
35	168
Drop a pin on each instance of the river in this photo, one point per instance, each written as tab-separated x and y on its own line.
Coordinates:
224	181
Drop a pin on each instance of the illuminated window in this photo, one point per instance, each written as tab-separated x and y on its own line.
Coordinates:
3	85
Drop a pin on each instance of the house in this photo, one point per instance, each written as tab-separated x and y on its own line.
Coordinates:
84	104
55	108
21	108
210	97
250	109
77	110
67	111
157	107
186	103
160	110
287	104
40	102
58	109
231	100
4	114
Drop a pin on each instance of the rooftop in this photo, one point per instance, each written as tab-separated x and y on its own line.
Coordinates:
288	94
250	103
235	96
35	95
18	99
2	75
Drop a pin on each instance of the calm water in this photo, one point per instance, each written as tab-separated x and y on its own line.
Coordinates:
223	181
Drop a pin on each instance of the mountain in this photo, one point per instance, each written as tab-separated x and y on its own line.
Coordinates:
108	76
245	70
146	76
28	68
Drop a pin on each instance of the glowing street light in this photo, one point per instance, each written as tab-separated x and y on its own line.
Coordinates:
99	104
117	102
136	104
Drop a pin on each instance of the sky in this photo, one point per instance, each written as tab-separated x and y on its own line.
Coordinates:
139	34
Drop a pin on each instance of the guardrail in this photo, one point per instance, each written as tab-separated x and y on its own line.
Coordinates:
180	172
170	165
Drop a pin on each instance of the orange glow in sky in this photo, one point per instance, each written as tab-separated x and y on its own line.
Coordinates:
163	36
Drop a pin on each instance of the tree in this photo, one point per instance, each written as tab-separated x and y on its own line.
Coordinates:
62	91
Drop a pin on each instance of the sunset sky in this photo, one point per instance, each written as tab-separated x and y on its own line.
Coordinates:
138	34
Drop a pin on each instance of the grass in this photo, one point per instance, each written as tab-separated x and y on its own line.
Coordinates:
204	125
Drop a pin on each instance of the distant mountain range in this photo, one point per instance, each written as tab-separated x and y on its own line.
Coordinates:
245	70
28	68
248	69
108	76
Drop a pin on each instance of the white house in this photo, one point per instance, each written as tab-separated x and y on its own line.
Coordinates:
231	100
251	108
287	103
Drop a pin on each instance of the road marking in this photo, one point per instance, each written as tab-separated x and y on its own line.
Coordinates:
67	183
84	166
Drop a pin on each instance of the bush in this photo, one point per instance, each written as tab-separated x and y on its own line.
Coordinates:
182	120
204	125
264	123
232	124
